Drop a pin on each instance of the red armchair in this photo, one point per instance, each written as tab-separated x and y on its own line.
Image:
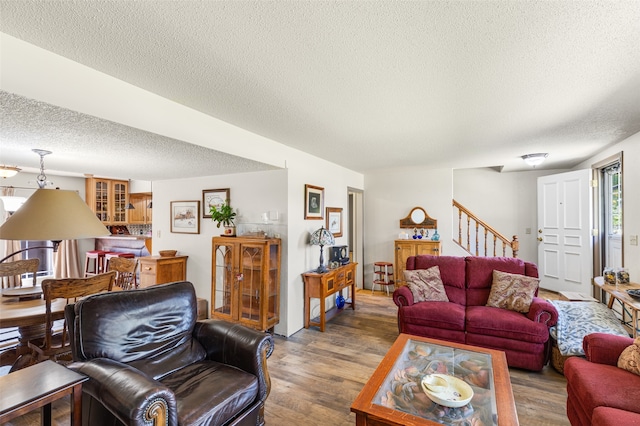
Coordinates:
598	392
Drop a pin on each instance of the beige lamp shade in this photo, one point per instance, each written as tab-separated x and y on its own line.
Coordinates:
53	214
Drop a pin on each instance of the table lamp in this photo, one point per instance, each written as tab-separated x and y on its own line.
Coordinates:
321	237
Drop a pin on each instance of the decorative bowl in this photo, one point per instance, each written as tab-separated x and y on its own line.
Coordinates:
435	383
634	293
167	253
457	393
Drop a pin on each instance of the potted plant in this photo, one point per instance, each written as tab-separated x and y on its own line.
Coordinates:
224	215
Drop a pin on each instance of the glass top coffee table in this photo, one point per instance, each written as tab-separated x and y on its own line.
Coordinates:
394	395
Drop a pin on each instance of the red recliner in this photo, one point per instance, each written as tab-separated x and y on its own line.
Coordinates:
598	392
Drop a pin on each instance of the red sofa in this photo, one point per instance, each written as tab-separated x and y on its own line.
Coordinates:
465	318
598	392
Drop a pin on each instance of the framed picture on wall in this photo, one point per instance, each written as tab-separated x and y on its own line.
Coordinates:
184	217
213	197
334	221
313	202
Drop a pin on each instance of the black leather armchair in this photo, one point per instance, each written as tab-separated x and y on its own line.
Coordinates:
150	362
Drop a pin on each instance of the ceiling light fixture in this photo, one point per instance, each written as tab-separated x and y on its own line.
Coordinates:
8	171
41	178
535	159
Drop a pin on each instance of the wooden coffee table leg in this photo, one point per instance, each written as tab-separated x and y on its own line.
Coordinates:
76	405
45	416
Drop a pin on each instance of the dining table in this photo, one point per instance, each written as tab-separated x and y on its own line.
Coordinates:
29	316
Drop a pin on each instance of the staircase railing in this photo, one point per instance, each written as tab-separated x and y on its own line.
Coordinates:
493	241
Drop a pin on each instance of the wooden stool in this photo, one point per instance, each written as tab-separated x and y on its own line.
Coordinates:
382	273
98	262
111	254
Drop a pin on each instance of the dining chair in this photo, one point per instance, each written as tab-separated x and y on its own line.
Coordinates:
125	272
11	272
71	289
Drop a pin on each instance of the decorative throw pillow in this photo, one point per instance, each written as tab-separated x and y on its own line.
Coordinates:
630	358
426	285
512	291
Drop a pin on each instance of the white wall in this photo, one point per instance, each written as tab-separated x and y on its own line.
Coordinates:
506	201
390	195
630	148
306	169
251	194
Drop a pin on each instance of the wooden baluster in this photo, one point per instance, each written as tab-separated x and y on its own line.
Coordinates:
477	251
468	233
515	246
485	241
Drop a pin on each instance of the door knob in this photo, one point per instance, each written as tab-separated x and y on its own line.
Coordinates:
540	239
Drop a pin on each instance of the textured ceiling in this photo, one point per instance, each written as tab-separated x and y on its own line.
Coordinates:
82	144
370	84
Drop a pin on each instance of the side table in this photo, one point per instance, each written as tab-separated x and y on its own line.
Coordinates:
629	305
320	286
38	386
159	270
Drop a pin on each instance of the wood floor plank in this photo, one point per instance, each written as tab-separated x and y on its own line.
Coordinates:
316	376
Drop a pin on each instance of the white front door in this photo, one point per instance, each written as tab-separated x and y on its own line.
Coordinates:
564	232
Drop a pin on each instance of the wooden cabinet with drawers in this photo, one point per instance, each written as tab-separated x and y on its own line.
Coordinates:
159	270
320	286
406	248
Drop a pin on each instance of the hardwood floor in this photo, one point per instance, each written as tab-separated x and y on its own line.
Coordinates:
316	376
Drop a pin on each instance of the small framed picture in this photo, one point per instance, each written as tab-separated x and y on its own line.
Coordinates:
313	202
184	217
334	221
213	197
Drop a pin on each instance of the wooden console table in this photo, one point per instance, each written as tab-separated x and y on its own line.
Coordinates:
619	293
320	286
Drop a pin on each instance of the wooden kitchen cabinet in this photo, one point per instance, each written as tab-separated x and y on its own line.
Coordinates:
159	270
406	248
107	198
245	282
141	213
320	286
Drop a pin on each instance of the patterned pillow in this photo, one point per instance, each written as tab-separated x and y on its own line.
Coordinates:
630	358
426	285
512	291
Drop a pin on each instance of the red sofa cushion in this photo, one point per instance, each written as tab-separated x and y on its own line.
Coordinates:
490	321
444	315
607	416
452	273
479	275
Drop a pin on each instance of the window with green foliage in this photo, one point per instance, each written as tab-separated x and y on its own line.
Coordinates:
613	196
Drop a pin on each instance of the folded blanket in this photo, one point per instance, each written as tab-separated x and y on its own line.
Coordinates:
577	319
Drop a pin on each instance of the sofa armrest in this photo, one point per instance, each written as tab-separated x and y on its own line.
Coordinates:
543	312
402	296
603	348
239	346
129	394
